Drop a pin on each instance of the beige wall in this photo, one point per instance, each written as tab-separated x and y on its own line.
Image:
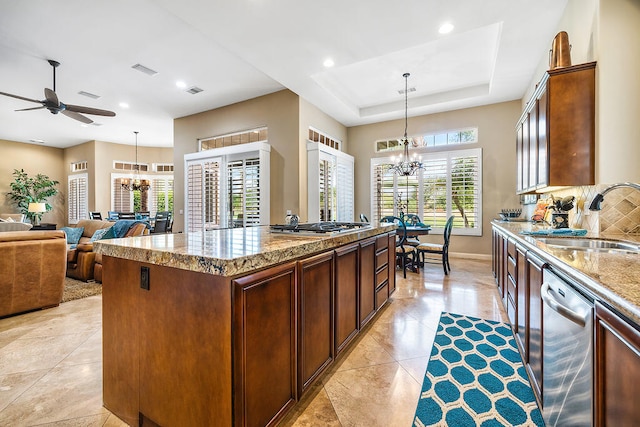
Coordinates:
608	31
310	116
280	113
34	159
496	136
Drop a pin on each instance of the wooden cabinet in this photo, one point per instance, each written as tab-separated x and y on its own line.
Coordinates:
315	317
533	359
511	284
346	295
367	286
555	136
391	262
521	326
617	376
264	346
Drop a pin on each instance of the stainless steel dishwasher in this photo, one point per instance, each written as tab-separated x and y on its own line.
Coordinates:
567	354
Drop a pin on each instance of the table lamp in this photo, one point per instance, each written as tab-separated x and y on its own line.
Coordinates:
37	209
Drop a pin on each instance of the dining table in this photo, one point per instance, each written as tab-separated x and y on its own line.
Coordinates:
418	230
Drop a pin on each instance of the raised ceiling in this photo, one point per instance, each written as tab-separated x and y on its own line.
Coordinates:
242	49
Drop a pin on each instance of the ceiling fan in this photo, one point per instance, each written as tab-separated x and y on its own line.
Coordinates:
52	103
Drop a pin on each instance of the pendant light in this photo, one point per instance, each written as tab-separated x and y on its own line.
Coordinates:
405	165
135	183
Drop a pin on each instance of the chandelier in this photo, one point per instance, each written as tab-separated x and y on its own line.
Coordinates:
405	165
135	183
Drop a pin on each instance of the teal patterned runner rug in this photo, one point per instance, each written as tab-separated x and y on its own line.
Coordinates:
475	377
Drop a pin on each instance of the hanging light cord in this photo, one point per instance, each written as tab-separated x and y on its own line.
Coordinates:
137	168
406	105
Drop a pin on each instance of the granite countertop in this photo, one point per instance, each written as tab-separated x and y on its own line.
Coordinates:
228	252
612	277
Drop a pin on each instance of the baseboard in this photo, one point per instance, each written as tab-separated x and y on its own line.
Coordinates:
482	257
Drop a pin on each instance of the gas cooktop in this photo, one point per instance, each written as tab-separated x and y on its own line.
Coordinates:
314	228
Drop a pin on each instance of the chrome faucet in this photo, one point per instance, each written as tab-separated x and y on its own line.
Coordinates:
597	200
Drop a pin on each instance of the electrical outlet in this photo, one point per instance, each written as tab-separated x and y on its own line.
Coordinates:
144	278
288	211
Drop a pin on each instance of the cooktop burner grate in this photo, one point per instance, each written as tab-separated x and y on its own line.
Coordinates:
319	227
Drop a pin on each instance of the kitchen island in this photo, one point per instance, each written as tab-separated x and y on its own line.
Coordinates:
232	327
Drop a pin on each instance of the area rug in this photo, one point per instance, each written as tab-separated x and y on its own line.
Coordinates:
76	289
475	377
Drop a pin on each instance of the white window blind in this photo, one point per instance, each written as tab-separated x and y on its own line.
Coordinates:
449	184
121	199
161	194
78	198
330	184
230	190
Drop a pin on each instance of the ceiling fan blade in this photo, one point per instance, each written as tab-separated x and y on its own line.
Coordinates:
89	110
29	109
20	97
51	97
76	116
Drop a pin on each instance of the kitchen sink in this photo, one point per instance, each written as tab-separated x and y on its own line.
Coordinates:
590	244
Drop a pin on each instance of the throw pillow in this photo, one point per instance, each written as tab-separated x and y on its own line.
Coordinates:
3	220
110	234
11	219
99	234
73	234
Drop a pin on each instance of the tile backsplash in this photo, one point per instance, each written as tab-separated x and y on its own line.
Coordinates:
620	212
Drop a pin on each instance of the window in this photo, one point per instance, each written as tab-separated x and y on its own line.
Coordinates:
79	166
228	140
330	184
228	187
317	136
158	198
449	184
444	138
162	167
129	166
78	198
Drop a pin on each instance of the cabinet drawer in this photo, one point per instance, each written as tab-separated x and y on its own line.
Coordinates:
511	288
511	267
382	276
382	258
511	248
381	242
511	311
382	295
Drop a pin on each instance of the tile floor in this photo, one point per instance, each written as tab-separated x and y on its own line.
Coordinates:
51	360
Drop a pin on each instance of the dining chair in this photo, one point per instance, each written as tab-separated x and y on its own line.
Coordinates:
438	249
95	215
412	219
126	215
406	254
363	218
112	215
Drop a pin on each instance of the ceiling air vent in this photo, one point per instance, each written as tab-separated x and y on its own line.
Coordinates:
148	71
88	94
411	89
193	90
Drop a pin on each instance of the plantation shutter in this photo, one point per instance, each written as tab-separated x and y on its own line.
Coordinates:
122	200
78	203
435	191
465	195
252	193
383	192
344	187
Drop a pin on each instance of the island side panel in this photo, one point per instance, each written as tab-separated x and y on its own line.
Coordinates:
183	324
120	339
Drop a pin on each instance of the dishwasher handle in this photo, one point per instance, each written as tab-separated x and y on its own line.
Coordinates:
555	305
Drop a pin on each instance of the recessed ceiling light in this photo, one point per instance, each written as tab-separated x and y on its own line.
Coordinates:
446	28
328	63
124	105
181	84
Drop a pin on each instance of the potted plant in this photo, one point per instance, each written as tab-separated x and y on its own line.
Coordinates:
26	189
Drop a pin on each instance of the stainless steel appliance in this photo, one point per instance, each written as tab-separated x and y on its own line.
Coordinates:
318	228
567	348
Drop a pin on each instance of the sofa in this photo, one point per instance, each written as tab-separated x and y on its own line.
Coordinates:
80	257
13	222
32	270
